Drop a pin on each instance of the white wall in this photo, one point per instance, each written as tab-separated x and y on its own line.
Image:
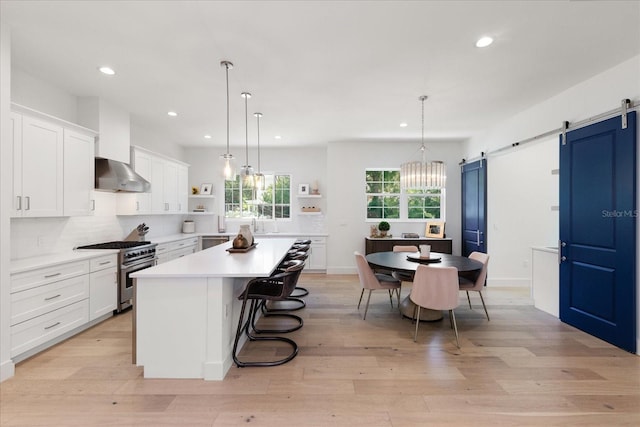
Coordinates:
347	224
510	240
6	170
155	141
305	165
41	96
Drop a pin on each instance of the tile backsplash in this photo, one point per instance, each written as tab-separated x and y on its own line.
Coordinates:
40	236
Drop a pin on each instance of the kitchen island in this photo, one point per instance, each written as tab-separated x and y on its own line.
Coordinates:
186	311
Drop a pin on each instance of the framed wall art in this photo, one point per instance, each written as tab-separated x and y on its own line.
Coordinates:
205	189
434	229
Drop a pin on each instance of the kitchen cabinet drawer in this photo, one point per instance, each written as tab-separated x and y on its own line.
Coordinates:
42	276
181	244
103	262
29	334
182	252
34	302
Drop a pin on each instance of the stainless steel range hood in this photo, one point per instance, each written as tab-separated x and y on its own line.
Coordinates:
112	175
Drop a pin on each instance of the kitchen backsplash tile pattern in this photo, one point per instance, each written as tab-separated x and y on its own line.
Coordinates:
40	236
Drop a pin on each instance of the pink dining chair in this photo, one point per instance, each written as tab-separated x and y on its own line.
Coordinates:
468	285
404	277
374	281
435	288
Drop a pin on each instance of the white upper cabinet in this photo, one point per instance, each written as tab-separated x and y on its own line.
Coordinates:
169	185
53	166
38	167
183	189
158	203
112	124
78	173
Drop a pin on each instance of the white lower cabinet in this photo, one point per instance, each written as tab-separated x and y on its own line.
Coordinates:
51	303
176	249
39	330
103	286
318	258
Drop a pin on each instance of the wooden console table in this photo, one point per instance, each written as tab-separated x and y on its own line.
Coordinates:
384	244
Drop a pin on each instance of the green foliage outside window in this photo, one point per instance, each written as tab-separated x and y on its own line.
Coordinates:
386	200
272	202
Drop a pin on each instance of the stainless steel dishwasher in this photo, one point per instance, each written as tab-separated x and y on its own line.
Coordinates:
211	241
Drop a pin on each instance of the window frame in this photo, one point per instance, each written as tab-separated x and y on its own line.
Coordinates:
274	207
404	197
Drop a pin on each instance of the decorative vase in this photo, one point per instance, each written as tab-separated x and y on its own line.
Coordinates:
240	242
245	230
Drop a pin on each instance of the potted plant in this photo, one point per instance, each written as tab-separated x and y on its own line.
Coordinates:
383	227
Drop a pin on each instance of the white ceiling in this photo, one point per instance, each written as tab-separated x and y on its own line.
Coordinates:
320	71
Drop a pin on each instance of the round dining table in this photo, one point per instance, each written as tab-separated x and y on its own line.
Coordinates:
406	263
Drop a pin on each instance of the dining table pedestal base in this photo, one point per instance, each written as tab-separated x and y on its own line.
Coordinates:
407	308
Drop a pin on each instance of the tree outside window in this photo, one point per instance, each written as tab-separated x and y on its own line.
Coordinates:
274	202
386	200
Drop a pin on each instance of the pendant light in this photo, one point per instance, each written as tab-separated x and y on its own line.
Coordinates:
421	175
246	173
258	178
227	158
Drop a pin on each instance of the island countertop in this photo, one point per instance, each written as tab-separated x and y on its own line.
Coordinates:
218	262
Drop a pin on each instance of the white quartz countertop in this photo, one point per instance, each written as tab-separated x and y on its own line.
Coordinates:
26	264
218	262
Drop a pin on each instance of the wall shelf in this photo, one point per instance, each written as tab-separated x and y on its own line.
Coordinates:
310	213
310	196
202	196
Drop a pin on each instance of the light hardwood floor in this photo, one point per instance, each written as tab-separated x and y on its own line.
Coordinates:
523	368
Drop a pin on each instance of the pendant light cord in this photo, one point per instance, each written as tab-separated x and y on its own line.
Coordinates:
246	128
422	148
227	73
258	115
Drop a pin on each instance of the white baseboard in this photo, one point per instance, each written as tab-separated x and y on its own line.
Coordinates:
7	370
509	282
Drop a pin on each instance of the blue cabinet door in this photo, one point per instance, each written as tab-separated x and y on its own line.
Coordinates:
598	231
474	207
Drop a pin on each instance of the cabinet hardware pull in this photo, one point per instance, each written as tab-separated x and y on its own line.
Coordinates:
93	205
105	263
19	203
137	206
48	276
52	326
53	297
27	200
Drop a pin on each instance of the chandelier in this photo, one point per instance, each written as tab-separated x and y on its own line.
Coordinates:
420	175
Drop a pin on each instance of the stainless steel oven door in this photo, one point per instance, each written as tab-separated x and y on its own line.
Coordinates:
125	287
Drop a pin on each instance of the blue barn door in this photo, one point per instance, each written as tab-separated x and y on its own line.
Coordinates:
474	207
598	231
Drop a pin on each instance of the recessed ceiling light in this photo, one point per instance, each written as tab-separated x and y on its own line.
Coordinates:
484	42
277	137
403	125
172	113
207	137
107	70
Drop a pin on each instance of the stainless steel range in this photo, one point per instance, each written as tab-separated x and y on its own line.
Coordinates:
133	256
